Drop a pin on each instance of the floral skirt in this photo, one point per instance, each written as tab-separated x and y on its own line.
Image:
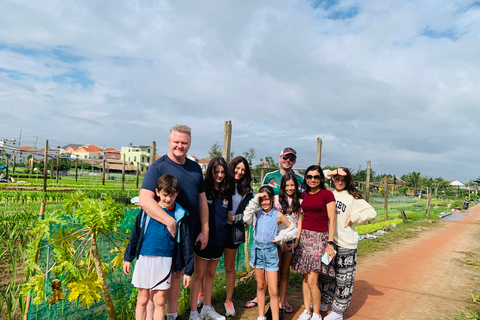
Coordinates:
309	254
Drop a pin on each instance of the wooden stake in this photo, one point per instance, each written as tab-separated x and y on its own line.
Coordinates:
123	173
429	201
385	189
227	140
76	169
103	173
367	183
153	152
58	163
45	165
138	172
319	152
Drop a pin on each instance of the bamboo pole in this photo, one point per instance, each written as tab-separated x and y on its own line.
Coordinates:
45	165
13	165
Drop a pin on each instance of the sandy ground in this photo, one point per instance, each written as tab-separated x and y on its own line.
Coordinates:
421	278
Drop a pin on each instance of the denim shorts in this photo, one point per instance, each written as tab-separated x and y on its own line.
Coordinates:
289	242
264	256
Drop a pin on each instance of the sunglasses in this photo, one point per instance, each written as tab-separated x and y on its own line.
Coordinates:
309	177
289	157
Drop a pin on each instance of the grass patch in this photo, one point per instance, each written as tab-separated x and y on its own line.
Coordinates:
405	230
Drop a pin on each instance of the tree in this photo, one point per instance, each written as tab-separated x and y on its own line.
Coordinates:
76	251
361	175
477	180
413	180
215	151
250	155
271	162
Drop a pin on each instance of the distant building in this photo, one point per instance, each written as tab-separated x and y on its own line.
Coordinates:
139	155
204	164
456	183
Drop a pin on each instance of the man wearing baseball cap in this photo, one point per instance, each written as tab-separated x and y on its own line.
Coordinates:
287	159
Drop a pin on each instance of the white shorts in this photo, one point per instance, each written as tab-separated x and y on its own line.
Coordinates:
149	271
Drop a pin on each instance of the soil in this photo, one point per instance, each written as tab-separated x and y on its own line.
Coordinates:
427	277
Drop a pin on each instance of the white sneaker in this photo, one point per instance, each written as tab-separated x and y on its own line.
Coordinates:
334	316
323	307
229	309
208	313
195	316
316	316
262	318
305	315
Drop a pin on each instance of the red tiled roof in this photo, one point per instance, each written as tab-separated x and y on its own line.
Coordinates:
204	160
25	148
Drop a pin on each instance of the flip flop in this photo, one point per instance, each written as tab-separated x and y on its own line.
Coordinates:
287	308
251	304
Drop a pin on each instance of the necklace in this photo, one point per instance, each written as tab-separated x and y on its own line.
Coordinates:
314	192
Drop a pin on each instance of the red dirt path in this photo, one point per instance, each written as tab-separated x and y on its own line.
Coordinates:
417	279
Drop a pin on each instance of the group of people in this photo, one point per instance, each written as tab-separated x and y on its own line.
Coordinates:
188	222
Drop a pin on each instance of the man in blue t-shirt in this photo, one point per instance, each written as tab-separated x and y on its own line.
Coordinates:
191	197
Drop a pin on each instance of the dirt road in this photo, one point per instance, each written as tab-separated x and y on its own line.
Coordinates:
421	278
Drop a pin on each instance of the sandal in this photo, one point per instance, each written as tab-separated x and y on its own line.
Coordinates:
287	308
251	304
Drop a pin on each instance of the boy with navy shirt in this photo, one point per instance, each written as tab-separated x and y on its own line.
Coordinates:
157	252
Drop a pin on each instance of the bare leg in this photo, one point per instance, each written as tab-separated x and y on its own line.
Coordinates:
208	281
285	262
272	280
159	300
150	307
230	276
174	292
197	280
142	301
312	279
261	289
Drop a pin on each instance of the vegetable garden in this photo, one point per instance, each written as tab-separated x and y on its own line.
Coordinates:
67	264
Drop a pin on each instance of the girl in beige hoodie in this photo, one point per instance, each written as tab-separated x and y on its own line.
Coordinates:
350	209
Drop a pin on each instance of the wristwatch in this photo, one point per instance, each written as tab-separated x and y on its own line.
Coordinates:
330	242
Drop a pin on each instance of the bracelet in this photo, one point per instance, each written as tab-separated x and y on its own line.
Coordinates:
330	243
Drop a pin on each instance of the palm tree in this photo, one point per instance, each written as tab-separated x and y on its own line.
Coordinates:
413	180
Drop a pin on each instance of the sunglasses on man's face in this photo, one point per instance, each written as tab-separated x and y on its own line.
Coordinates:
310	177
289	157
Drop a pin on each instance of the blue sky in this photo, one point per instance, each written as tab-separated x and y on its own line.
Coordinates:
394	82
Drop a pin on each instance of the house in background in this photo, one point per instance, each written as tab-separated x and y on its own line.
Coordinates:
204	164
87	152
456	183
139	155
112	153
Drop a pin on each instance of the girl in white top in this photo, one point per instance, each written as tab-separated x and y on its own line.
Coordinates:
289	202
350	209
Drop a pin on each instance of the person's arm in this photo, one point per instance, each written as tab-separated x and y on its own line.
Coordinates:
251	210
147	202
203	211
361	211
331	227
287	234
299	227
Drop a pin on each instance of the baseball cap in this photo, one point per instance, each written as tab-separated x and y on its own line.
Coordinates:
287	151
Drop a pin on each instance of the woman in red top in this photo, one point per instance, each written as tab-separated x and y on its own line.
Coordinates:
318	229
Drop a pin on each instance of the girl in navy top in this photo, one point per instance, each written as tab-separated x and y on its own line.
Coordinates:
206	260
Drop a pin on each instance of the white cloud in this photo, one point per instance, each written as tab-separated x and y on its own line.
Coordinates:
393	82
